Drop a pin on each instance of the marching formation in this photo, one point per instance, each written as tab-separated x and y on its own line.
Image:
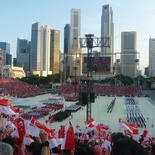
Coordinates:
134	115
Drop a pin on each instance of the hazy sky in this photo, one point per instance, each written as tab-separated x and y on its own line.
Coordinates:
17	17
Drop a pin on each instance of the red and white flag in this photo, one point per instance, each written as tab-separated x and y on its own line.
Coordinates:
104	127
68	141
107	143
27	140
90	121
146	135
10	118
60	135
52	141
7	108
20	124
125	125
33	130
78	129
98	129
135	134
89	128
15	133
10	122
37	124
49	122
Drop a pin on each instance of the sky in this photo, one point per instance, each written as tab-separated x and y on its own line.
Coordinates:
17	17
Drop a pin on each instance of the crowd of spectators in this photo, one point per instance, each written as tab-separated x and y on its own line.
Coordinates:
120	145
11	146
16	88
101	89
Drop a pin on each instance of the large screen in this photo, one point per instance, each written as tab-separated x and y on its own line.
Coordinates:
96	64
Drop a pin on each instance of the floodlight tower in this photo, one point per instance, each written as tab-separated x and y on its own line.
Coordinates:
90	42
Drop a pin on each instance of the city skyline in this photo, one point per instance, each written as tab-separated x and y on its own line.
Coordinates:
138	16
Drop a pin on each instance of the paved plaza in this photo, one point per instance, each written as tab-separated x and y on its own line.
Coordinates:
100	115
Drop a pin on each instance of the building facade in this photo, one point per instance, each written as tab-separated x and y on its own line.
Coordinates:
6	47
2	62
23	54
40	50
129	54
75	58
66	38
107	30
45	51
55	51
66	68
151	57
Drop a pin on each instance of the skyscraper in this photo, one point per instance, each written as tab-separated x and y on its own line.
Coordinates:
2	61
75	60
45	50
66	48
55	51
129	54
6	47
66	38
151	57
40	50
107	30
23	54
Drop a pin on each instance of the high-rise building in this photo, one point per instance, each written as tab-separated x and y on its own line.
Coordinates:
45	50
40	50
66	49
75	59
15	62
107	30
6	47
55	51
35	56
23	54
2	61
129	54
66	38
151	57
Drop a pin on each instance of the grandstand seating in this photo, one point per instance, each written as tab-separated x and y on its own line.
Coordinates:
13	87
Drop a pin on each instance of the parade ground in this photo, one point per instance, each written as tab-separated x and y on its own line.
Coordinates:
99	112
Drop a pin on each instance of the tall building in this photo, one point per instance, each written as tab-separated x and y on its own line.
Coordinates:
75	59
66	38
6	47
2	61
129	54
23	54
151	57
55	51
15	62
107	30
40	50
66	49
